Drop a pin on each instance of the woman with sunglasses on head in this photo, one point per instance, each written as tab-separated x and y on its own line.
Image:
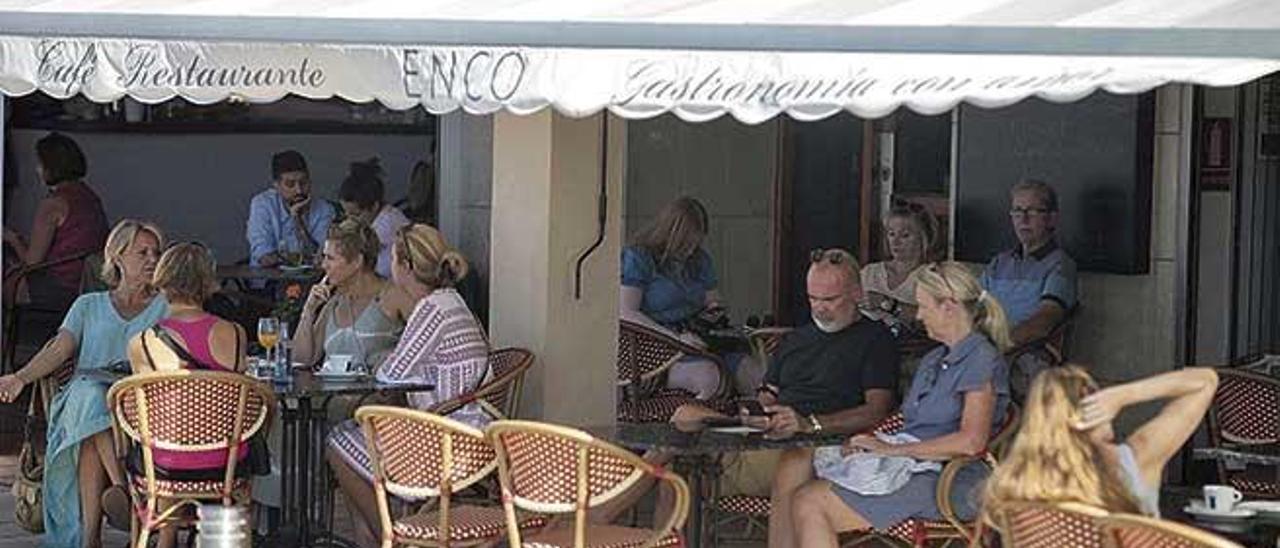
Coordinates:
910	240
80	461
443	344
186	338
958	397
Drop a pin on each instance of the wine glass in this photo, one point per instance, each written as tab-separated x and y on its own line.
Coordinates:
268	335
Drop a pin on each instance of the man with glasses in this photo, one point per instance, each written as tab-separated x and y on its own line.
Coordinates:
1035	282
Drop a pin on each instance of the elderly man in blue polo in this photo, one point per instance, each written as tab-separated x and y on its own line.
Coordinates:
1036	280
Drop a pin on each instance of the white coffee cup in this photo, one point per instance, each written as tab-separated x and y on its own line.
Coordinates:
338	363
1221	498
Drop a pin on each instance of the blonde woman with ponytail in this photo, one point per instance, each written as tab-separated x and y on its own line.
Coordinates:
1066	450
958	396
443	344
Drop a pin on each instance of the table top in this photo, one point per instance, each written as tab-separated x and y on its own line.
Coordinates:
692	439
1256	531
1263	454
304	384
246	272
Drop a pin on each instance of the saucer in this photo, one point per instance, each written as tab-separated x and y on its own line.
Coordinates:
340	375
1269	508
1199	510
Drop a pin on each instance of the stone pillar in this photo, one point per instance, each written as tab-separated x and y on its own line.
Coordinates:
546	181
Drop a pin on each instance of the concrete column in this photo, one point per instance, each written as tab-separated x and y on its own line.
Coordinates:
546	182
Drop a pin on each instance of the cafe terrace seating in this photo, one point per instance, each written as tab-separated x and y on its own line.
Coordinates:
1046	525
1130	531
186	411
912	532
1244	413
644	356
418	455
550	469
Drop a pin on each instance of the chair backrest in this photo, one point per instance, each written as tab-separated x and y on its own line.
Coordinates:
891	424
1130	531
507	367
417	455
1244	408
644	355
1050	525
190	411
553	469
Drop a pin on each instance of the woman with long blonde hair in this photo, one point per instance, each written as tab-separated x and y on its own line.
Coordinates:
958	397
911	236
1066	449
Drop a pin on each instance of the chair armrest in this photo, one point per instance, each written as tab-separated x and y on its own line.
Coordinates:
26	270
943	493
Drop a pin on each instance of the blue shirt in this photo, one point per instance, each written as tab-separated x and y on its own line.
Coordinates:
1021	282
101	334
270	228
673	292
934	405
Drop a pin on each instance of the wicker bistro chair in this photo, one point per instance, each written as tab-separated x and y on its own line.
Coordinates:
553	469
1244	413
14	312
186	411
1130	531
419	455
500	395
1050	525
644	356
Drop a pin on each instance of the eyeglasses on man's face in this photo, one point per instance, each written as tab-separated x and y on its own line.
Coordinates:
1020	212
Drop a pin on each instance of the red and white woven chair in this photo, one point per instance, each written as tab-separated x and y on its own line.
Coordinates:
417	455
552	469
644	356
500	395
1050	525
1244	413
1130	531
186	411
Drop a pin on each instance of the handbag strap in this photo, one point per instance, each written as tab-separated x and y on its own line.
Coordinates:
182	353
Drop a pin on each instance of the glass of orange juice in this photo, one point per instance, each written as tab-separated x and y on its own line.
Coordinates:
268	334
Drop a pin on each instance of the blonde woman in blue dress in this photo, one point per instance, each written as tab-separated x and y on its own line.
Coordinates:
82	473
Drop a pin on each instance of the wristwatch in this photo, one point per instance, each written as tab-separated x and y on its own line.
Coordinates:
813	421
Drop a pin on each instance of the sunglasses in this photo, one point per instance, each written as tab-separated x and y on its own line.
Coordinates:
834	255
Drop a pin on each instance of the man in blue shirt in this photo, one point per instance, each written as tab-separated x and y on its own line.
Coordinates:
1036	281
284	218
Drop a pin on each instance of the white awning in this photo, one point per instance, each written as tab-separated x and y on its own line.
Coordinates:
699	59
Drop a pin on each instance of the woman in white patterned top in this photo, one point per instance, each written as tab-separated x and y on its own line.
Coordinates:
443	344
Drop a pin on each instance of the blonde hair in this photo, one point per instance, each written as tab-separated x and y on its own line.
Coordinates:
676	232
952	280
186	273
1050	460
926	226
356	240
118	241
424	251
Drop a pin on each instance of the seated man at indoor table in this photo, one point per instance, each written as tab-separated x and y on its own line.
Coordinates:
836	374
286	219
1035	281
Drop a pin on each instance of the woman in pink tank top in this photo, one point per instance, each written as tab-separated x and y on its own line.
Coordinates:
188	338
67	222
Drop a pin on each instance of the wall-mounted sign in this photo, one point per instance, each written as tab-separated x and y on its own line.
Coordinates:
1216	154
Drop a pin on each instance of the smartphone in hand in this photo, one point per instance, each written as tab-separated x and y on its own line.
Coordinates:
753	408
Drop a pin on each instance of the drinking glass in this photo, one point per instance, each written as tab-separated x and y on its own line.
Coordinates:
268	335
